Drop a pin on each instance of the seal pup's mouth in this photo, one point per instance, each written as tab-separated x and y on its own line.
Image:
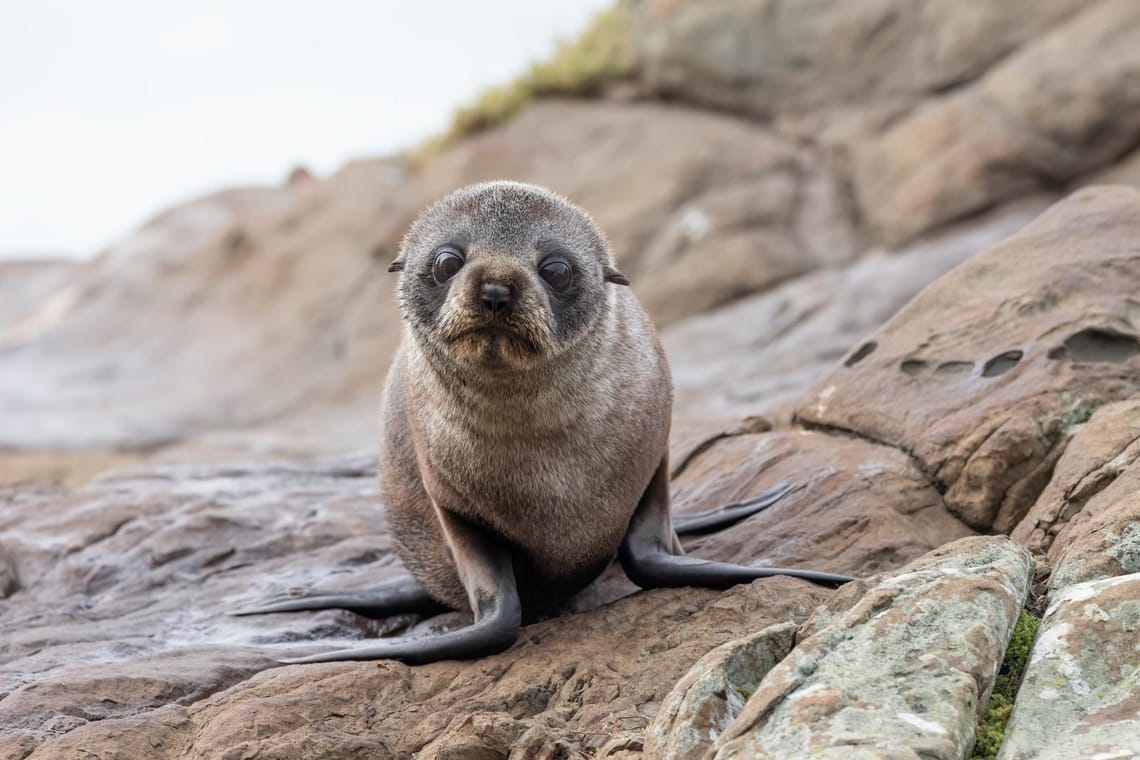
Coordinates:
490	337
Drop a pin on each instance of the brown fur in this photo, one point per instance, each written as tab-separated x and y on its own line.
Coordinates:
547	439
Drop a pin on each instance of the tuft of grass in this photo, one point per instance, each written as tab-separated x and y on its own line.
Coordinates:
583	67
991	726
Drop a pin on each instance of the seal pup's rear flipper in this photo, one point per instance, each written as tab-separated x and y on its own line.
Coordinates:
397	596
650	552
714	519
487	573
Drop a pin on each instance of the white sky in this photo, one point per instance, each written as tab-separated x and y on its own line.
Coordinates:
112	110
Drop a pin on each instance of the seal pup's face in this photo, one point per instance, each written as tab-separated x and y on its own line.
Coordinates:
503	275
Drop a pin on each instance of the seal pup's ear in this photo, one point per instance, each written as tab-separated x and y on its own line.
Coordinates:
396	266
610	274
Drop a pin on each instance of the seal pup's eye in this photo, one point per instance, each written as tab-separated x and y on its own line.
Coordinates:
447	262
557	273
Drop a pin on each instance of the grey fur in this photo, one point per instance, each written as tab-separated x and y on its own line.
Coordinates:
547	442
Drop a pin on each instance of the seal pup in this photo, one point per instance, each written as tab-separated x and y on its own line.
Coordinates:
526	425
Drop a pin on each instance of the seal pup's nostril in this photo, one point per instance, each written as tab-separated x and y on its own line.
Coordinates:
497	297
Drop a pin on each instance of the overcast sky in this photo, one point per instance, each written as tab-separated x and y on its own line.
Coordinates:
113	110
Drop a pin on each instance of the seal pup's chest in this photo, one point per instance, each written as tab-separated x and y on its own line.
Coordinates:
558	497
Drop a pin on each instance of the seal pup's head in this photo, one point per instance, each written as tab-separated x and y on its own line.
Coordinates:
503	275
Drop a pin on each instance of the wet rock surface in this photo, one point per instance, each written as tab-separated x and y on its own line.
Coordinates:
118	636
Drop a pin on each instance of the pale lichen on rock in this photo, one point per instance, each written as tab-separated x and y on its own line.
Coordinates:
1081	692
905	670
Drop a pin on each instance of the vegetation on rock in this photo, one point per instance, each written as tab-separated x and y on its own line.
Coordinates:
991	726
583	67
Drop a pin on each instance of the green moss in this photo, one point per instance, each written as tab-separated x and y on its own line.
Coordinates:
583	67
991	726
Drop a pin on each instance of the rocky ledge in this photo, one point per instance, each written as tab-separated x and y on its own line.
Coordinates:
885	270
1002	398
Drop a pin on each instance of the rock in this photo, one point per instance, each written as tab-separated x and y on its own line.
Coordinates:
234	264
24	283
759	355
253	327
1080	696
281	299
1126	171
985	375
935	111
1103	540
700	208
858	508
1034	119
903	673
710	696
763	57
1100	451
117	638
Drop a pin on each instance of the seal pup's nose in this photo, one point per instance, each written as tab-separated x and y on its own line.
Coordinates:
497	297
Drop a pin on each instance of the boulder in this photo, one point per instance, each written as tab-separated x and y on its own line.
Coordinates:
764	57
1032	121
1083	518
857	508
1080	696
758	355
986	374
710	696
903	673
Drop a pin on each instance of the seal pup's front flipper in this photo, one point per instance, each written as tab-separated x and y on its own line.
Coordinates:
651	555
397	596
487	573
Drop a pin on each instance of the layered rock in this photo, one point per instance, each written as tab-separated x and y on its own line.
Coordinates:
711	695
985	375
115	636
765	57
1085	521
904	672
1081	692
1002	398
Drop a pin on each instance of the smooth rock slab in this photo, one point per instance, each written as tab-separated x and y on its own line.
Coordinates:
903	673
1081	693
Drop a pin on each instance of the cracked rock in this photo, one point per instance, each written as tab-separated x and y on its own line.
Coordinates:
1080	696
903	673
710	696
